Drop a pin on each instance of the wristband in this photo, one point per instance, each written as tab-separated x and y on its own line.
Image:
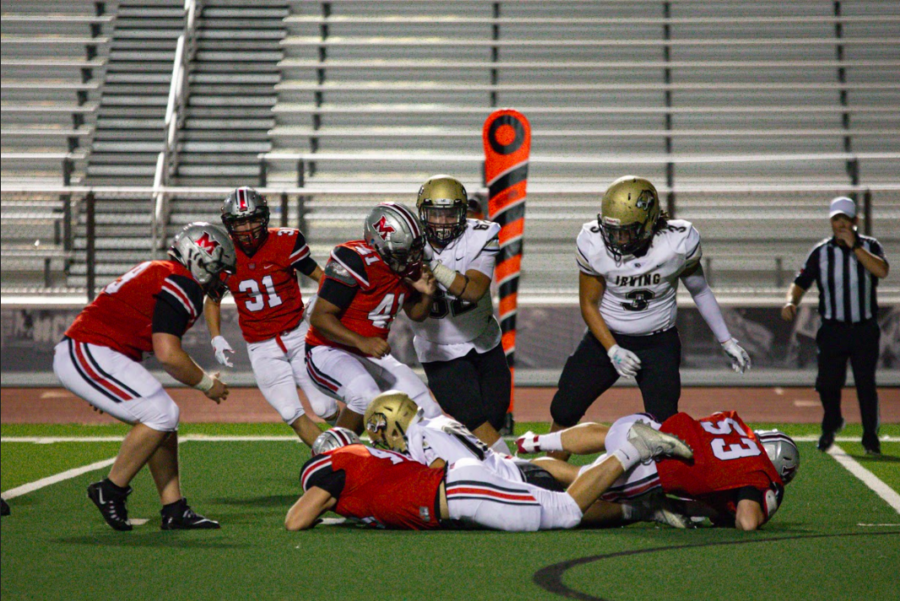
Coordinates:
444	275
205	384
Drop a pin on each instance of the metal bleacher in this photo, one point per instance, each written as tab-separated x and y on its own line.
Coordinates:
748	116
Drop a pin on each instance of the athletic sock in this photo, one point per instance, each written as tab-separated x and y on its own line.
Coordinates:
628	455
500	447
115	488
551	442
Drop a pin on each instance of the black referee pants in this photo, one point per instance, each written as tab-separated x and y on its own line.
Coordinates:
589	373
473	389
837	342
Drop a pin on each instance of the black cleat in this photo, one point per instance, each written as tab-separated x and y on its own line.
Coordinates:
4	507
872	446
180	516
827	438
825	441
111	505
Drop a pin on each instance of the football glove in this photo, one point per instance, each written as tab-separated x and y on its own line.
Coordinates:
625	362
740	360
222	348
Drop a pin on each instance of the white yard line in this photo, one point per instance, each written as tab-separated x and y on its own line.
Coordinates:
228	438
881	489
67	475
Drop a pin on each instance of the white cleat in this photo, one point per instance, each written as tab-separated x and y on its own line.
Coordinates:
652	443
666	516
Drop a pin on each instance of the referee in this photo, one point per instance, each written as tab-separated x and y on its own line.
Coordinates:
846	268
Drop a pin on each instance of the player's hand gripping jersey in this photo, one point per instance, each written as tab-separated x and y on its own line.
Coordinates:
379	488
728	458
640	291
367	290
265	287
455	326
155	296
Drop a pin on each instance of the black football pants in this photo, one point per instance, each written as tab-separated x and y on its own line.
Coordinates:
837	342
589	373
473	389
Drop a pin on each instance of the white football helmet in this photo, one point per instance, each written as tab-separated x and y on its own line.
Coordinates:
396	235
334	438
208	253
782	451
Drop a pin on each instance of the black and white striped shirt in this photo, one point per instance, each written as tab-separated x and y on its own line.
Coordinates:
847	291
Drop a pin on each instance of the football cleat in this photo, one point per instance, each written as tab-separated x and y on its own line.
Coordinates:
111	505
528	443
652	443
4	507
181	517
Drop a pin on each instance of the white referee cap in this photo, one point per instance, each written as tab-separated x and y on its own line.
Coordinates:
843	206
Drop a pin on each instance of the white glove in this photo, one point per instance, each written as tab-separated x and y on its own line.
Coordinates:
625	362
740	360
221	346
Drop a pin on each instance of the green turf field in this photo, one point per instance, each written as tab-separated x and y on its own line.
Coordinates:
834	538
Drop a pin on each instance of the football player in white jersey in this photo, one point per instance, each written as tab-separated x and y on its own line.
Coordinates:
394	421
459	343
631	260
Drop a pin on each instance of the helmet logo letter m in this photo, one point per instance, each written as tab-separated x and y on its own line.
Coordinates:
207	244
384	228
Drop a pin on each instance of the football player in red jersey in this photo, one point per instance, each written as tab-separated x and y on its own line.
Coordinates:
386	489
737	476
366	283
147	310
271	310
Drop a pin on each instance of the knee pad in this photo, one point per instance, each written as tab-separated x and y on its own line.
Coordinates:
324	406
290	414
163	417
359	392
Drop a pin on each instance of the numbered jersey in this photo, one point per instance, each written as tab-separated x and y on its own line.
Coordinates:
381	489
379	293
728	456
455	327
265	287
125	315
447	439
640	291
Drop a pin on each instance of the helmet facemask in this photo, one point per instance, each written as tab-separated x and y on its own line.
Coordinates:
443	224
442	203
623	240
245	214
387	420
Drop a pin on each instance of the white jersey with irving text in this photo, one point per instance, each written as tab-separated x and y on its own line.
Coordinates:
454	327
444	438
640	291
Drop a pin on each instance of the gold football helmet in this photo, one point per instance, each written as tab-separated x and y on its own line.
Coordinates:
387	419
628	213
442	205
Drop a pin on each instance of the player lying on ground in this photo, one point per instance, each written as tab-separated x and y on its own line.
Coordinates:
387	489
736	478
393	421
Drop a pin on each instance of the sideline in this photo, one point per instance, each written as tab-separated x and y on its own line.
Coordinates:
44	482
881	489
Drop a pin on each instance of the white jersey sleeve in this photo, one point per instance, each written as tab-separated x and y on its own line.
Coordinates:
585	247
640	291
455	327
445	438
